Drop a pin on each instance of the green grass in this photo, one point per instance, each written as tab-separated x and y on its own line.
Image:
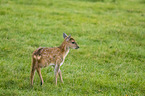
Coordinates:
110	33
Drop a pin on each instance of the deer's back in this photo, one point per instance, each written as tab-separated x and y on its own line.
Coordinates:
48	56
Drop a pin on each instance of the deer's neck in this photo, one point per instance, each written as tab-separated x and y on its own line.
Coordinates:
64	49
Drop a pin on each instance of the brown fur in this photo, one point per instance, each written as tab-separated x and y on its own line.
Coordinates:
43	57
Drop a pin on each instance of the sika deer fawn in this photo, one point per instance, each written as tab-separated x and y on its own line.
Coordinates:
43	57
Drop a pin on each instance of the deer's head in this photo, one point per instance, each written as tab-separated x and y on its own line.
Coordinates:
71	43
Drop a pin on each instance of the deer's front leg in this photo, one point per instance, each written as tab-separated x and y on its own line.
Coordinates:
56	72
60	75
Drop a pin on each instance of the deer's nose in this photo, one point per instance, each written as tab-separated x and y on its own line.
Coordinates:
77	47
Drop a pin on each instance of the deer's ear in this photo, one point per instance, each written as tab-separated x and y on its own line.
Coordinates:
64	35
67	39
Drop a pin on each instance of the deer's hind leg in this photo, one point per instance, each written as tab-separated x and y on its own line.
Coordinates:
39	73
32	71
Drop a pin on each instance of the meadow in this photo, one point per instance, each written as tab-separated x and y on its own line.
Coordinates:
109	62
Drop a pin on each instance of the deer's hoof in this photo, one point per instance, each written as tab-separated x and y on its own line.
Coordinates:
41	83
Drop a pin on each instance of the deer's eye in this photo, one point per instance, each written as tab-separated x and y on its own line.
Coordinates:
73	42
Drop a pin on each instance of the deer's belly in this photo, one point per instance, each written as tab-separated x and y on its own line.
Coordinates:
46	64
43	65
51	64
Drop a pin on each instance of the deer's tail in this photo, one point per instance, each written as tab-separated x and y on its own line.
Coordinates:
37	54
36	57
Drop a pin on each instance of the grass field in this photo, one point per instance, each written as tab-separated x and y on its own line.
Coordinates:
110	33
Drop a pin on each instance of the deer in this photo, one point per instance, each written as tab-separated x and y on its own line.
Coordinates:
55	56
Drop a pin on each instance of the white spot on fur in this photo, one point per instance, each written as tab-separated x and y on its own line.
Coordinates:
61	63
64	57
51	64
66	54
